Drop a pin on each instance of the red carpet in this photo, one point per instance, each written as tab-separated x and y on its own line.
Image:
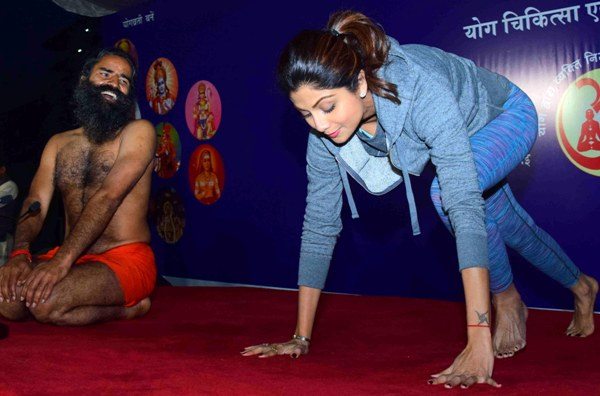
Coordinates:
189	344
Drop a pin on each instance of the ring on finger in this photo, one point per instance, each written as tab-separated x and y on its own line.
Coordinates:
274	348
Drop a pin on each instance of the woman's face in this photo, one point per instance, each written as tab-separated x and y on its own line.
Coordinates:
336	112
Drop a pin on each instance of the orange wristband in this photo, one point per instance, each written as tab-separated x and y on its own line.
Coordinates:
19	252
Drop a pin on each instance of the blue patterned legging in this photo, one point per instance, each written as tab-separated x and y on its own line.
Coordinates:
497	149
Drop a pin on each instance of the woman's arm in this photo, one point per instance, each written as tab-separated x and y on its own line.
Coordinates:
308	299
475	363
445	133
322	225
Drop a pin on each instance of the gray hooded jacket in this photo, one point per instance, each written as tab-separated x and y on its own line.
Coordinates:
444	100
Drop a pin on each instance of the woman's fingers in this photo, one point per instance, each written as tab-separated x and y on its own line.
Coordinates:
263	350
269	350
292	348
253	350
468	382
296	352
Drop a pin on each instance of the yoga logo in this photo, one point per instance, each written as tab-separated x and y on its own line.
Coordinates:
577	126
203	110
162	85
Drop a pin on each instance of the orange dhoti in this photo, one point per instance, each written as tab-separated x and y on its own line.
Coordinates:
133	264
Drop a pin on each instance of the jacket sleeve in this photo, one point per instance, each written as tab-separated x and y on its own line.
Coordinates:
438	121
322	221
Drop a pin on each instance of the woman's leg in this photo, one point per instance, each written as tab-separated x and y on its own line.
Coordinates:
497	149
519	231
511	313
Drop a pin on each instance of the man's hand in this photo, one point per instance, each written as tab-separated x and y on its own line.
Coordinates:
14	271
294	348
40	282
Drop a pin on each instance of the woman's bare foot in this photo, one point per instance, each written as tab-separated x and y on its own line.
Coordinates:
139	309
585	290
510	323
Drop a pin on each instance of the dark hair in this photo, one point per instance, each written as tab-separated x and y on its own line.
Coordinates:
91	62
333	58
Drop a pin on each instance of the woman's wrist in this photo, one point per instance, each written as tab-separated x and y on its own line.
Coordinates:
302	338
479	325
479	334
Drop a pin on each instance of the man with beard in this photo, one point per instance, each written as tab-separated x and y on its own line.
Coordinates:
104	269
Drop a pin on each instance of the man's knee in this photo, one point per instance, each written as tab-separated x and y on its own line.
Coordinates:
49	312
14	311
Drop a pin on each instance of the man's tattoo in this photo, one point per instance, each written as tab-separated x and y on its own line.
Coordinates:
482	317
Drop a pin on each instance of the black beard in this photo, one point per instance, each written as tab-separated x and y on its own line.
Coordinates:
101	120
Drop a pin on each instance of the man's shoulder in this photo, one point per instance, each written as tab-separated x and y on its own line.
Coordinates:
71	133
139	126
60	139
140	133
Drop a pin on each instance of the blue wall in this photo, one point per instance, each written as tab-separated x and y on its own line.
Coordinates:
251	235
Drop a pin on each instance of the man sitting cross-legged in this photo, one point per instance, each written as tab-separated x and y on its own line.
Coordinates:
105	268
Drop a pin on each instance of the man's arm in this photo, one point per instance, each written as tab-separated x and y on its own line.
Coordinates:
41	190
135	154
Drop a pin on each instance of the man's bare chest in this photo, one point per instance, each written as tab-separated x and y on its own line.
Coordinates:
80	167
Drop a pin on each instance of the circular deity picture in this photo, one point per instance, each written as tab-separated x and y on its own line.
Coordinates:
203	110
168	150
128	47
162	86
206	174
169	214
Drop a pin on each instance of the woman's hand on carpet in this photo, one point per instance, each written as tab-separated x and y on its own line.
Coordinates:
294	348
474	365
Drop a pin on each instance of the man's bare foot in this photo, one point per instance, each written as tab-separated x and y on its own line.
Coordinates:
139	309
585	290
510	323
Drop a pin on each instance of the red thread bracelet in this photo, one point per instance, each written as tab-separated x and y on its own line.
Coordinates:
478	325
19	252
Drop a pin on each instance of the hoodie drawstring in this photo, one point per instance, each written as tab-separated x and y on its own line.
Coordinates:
349	196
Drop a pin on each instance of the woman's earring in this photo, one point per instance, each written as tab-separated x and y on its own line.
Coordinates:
363	95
